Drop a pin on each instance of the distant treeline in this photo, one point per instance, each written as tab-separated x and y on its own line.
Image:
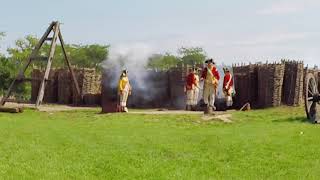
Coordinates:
81	56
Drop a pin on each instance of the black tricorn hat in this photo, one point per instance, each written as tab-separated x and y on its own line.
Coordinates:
209	61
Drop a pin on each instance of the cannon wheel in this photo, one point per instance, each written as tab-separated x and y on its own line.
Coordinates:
311	91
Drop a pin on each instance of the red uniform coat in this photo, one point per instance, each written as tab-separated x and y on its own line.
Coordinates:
191	81
214	72
227	79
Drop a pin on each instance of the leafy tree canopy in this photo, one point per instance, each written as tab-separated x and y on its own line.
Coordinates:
82	56
193	55
163	62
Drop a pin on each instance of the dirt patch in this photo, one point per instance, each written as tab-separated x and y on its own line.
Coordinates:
159	112
226	118
221	116
50	107
218	115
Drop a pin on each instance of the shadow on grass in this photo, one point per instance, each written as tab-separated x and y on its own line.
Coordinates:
300	119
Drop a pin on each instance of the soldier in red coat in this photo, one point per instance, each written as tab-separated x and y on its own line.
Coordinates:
228	86
211	77
192	89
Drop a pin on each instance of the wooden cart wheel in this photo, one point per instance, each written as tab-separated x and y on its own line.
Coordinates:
311	96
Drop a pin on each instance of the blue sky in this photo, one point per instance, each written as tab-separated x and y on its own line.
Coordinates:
229	31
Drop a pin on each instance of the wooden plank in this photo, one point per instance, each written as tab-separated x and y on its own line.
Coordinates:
19	101
46	74
11	110
31	79
69	65
40	58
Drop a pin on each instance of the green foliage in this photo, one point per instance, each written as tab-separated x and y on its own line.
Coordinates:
22	49
82	56
88	56
163	62
193	55
14	62
6	67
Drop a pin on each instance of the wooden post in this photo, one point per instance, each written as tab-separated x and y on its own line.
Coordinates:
69	65
46	74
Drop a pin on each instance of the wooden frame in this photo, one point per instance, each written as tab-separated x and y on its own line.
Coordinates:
55	28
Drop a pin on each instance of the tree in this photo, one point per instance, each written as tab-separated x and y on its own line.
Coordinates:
22	49
164	62
7	72
6	69
88	56
82	56
193	55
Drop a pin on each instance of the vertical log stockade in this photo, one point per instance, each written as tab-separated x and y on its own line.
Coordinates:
261	85
271	84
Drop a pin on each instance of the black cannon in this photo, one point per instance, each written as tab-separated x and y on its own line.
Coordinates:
312	98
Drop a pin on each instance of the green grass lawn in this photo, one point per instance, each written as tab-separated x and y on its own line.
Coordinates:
263	144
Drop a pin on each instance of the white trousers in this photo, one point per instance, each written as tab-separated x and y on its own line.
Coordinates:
209	94
195	98
192	97
124	98
229	101
190	94
228	96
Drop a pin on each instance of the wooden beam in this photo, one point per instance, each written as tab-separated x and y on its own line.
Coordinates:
11	110
75	81
46	74
40	58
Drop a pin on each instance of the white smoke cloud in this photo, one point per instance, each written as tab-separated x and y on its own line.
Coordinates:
134	58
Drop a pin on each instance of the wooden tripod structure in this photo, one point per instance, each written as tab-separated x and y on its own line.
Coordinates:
55	28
